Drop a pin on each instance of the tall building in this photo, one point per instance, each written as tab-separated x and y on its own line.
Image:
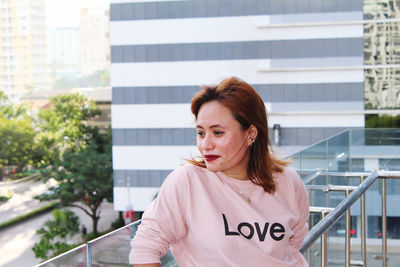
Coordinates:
23	52
305	58
94	40
65	55
382	53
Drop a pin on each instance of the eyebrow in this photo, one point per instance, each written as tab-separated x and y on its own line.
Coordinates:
212	126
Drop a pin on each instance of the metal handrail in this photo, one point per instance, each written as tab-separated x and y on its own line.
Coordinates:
336	188
320	229
329	187
333	216
343	174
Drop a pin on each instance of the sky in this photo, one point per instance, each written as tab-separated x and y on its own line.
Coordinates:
65	13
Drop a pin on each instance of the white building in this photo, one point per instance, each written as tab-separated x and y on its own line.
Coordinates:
303	57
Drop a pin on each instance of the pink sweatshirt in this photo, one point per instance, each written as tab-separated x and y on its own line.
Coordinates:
206	221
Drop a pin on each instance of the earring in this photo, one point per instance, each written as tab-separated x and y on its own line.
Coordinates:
251	141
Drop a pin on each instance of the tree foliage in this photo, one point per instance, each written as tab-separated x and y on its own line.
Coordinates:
64	124
85	176
16	142
10	111
54	233
61	126
83	168
382	121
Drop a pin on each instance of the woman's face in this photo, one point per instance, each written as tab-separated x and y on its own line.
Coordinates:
221	140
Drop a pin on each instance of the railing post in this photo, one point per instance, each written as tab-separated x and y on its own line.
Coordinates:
324	211
89	255
363	229
384	224
309	250
348	236
324	243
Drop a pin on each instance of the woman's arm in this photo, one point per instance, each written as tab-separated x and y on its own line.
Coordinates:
163	222
301	228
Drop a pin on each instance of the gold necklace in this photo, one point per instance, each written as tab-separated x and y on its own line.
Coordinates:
245	196
241	193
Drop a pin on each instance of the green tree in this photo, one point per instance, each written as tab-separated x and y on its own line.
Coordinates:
10	111
382	121
16	142
85	176
65	123
54	233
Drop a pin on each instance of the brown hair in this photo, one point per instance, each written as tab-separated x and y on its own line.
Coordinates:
248	109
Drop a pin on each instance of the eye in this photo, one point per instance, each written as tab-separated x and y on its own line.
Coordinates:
200	133
218	132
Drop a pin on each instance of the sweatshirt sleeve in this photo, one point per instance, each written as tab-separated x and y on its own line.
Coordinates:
163	221
301	228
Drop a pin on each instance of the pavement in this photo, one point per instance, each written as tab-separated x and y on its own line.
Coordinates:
22	201
16	241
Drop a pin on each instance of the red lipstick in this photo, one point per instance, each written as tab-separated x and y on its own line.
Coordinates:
210	157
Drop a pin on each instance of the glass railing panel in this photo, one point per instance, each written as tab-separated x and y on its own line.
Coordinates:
113	249
295	162
338	152
352	150
376	149
314	157
328	155
74	257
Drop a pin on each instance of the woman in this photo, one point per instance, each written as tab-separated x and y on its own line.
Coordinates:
235	206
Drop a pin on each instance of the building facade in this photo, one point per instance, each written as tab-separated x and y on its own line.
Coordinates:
24	64
65	52
305	58
94	40
382	54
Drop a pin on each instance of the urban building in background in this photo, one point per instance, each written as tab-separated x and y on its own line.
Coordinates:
94	40
24	61
382	54
65	52
305	58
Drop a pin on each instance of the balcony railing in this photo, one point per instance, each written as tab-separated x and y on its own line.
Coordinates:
354	206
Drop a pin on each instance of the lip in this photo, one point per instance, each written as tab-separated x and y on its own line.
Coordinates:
210	157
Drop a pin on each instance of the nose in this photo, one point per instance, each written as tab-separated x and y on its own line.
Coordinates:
207	143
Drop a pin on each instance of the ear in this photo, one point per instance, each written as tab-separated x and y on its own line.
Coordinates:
253	131
252	134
